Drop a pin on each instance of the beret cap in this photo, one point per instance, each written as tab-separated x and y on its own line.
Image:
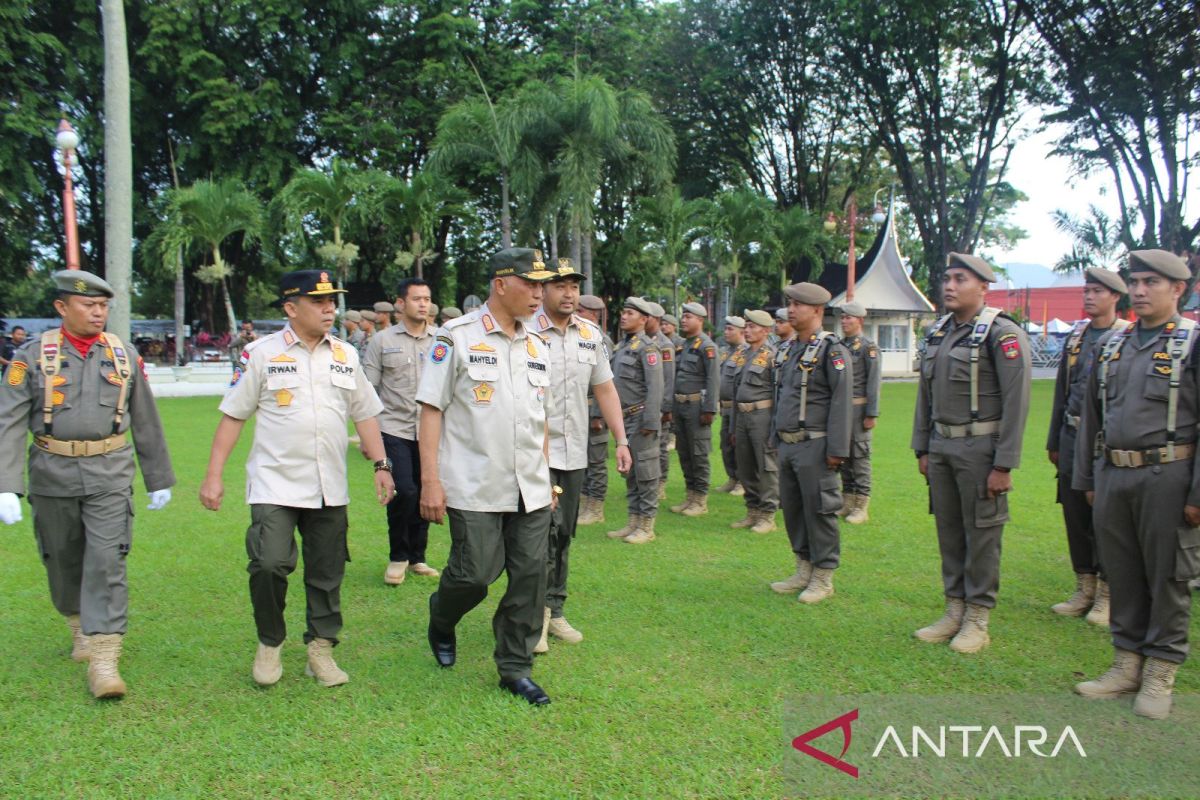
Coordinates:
1160	261
972	263
695	308
808	293
1107	278
760	318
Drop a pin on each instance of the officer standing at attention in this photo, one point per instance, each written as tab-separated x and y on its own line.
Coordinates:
1101	291
449	313
733	358
485	461
579	369
666	349
80	390
754	398
1142	409
697	400
595	479
856	471
812	430
972	402
783	333
366	326
637	373
304	385
393	363
670	326
350	326
383	315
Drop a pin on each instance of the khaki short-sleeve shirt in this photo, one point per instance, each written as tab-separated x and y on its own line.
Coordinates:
303	400
393	361
578	361
493	393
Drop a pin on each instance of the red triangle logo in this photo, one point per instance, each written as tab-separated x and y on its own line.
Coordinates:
801	742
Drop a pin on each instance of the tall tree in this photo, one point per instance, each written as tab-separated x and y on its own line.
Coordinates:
118	167
1126	83
668	225
414	208
943	82
201	218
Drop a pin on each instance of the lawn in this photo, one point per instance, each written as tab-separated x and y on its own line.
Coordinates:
678	689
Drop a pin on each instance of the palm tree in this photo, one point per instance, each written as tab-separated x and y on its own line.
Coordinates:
741	222
203	216
329	196
1097	239
801	239
668	225
414	208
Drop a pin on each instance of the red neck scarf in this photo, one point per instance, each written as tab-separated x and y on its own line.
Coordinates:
82	345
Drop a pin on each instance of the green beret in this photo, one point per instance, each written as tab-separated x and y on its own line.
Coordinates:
591	302
521	262
76	281
853	309
450	312
639	305
696	309
656	311
760	318
810	294
973	264
1107	278
1166	264
735	321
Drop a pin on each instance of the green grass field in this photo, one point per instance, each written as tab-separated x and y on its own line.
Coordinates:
677	691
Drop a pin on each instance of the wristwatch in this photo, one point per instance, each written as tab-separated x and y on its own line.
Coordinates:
622	443
383	465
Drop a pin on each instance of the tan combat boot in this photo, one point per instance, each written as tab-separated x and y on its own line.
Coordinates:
1123	677
766	522
797	580
543	646
104	680
322	666
591	511
80	649
748	521
738	491
973	635
644	533
819	587
726	487
268	668
678	508
699	506
394	574
945	628
1081	601
662	490
858	511
561	629
634	523
1158	678
846	505
1099	613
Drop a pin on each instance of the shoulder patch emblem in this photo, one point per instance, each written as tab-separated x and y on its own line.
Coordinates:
439	352
16	373
710	352
446	340
1010	346
668	355
651	358
872	352
838	362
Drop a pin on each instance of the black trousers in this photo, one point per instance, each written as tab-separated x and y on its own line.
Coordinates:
408	534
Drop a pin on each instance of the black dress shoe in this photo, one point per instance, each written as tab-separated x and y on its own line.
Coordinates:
444	646
524	687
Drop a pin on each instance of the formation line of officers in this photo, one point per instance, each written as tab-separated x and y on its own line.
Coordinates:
499	421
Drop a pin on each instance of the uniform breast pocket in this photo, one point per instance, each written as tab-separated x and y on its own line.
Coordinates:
960	364
627	365
1158	380
539	380
481	372
342	381
586	356
283	389
927	363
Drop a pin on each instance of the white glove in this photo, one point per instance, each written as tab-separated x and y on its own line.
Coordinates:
159	499
10	508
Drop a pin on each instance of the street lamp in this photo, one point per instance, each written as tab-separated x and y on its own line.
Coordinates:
67	140
852	220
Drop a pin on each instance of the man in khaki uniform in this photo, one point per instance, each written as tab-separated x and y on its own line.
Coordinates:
856	471
637	373
303	385
1142	411
595	480
812	432
666	349
1101	291
393	363
972	402
733	358
753	400
697	400
80	391
485	461
579	370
